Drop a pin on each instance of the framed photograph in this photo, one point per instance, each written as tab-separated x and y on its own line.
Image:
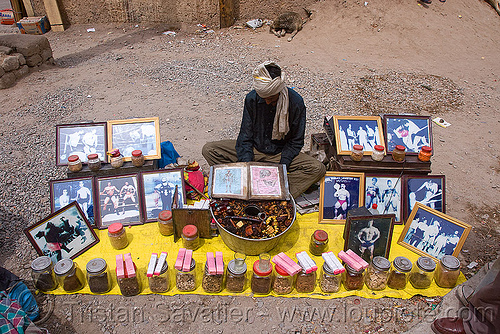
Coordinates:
229	181
369	236
412	132
159	189
80	139
81	190
118	201
385	191
340	192
357	130
432	233
135	134
425	189
266	181
64	234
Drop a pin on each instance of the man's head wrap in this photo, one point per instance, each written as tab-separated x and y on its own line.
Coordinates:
265	87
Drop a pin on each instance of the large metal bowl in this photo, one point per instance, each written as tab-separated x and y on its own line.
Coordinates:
251	246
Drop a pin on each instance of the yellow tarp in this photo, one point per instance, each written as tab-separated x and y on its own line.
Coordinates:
145	239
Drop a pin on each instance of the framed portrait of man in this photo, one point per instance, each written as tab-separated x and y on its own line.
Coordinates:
428	190
81	140
385	191
410	131
357	130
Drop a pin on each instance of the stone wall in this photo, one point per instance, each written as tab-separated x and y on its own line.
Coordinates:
21	53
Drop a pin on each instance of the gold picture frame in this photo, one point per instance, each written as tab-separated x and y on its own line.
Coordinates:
339	193
142	134
362	130
429	232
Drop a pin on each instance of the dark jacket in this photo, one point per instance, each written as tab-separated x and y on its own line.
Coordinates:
257	127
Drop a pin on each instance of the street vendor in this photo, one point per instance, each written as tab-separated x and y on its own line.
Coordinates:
272	130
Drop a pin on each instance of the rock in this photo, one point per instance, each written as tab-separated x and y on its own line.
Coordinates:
7	80
20	58
22	71
34	60
10	63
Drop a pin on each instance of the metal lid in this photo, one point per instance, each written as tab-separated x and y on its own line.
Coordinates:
352	270
63	267
327	268
450	262
165	267
320	235
426	263
193	265
96	266
381	263
41	263
402	264
235	269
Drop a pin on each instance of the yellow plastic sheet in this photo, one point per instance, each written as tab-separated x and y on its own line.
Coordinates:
145	239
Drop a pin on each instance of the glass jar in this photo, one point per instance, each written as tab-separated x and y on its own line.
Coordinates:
186	280
130	286
160	283
137	158
378	153
398	153
398	276
74	163
377	273
425	153
117	236
357	153
447	271
421	274
93	162
212	283
236	273
305	282
319	242
328	281
283	283
97	276
42	273
116	159
165	223
69	275
190	237
262	277
353	278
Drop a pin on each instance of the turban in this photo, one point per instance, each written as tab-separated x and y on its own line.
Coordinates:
266	87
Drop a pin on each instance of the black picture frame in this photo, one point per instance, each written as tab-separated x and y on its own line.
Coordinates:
388	194
81	139
410	131
429	190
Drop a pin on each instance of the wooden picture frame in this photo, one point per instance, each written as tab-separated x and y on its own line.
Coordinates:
80	139
387	193
142	134
340	192
359	228
79	189
429	190
429	232
363	130
410	131
158	188
118	200
64	234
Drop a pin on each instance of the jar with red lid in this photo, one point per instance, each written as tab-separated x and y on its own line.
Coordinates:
165	223
116	158
137	158
357	152
319	242
378	153
262	277
93	162
117	236
283	282
425	153
399	153
190	237
74	163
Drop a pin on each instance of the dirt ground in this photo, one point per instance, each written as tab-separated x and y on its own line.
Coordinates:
352	58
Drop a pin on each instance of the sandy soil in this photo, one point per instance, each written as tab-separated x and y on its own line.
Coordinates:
352	58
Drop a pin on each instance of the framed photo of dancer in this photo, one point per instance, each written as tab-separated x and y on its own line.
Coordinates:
340	192
80	139
135	134
81	190
369	236
432	233
64	234
357	130
159	189
386	192
118	200
428	190
412	132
